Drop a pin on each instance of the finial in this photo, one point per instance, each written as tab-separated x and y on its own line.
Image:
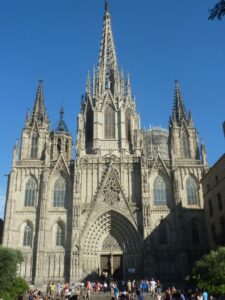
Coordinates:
128	91
88	83
106	6
61	113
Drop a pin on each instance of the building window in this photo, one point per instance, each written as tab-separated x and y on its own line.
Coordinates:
128	125
160	191
210	208
34	145
213	232
59	146
59	195
109	119
30	193
192	192
27	236
195	233
89	127
59	236
220	202
185	145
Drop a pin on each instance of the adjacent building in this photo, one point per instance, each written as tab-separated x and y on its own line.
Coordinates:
129	204
213	184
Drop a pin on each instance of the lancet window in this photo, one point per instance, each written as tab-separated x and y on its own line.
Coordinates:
109	120
59	194
27	236
34	145
185	145
30	193
128	125
59	235
89	127
160	191
191	191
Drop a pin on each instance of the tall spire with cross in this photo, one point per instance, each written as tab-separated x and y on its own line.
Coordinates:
179	111
107	66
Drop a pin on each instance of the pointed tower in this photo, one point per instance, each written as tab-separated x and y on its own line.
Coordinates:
36	129
108	121
183	135
61	140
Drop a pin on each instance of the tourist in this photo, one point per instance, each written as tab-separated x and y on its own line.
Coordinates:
116	292
105	287
152	287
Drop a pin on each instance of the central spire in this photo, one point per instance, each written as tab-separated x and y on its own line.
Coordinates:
107	66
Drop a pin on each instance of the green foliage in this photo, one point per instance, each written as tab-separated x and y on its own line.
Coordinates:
11	286
209	272
218	11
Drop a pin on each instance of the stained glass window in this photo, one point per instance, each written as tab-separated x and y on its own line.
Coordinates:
30	193
34	145
27	236
160	191
59	194
128	125
109	120
192	192
59	236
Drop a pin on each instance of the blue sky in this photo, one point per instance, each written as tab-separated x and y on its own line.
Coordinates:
156	41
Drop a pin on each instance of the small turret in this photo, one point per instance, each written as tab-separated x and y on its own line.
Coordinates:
61	140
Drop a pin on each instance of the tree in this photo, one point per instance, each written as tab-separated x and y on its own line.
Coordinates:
209	272
11	286
218	11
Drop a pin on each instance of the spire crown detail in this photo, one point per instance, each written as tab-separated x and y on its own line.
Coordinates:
62	125
179	111
107	66
39	111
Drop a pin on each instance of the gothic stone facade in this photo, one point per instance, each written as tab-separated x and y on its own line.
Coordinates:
130	203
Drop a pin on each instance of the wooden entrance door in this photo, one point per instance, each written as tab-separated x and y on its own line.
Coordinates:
105	263
117	266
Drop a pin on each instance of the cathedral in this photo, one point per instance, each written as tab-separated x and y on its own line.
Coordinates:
130	204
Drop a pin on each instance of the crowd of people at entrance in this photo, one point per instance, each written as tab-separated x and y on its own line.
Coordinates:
124	290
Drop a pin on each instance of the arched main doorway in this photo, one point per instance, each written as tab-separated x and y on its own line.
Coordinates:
111	244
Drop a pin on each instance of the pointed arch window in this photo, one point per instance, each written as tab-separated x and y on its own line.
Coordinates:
67	146
192	191
89	127
109	119
128	125
160	191
59	194
59	236
27	236
59	146
185	145
34	145
194	233
30	193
